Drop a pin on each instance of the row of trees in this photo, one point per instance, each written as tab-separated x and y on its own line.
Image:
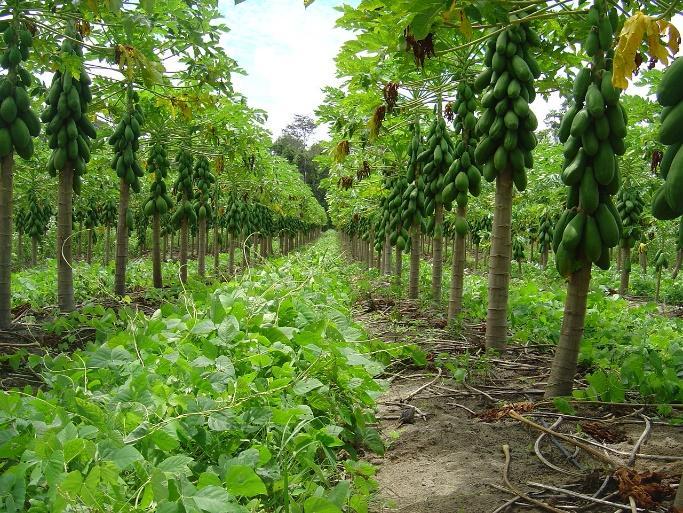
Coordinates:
471	76
139	96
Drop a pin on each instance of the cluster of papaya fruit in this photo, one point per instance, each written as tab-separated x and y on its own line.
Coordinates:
593	131
383	218
91	216
262	219
109	212
125	141
661	260
159	201
409	201
234	213
203	179
518	249
436	158
630	206
400	212
463	175
68	126
545	231
37	217
183	189
507	124
668	201
18	123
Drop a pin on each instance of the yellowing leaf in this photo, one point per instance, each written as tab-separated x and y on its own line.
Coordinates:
655	45
636	28
674	36
457	16
629	41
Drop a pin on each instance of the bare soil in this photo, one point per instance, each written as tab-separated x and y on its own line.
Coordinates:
451	460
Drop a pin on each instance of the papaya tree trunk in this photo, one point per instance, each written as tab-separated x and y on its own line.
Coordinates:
6	179
625	269
65	281
107	245
499	262
642	256
387	254
476	256
20	250
414	281
121	239
81	238
182	256
457	272
156	252
678	500
677	267
659	282
398	270
563	369
619	259
544	259
231	254
216	248
34	251
89	250
437	254
201	253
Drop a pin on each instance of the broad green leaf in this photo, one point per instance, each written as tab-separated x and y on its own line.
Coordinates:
304	386
203	327
223	421
125	456
320	505
177	464
241	480
213	499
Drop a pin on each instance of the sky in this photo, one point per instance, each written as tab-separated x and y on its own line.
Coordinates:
287	51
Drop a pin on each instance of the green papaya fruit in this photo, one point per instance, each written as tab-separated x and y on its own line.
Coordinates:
607	226
595	104
588	192
571	237
669	91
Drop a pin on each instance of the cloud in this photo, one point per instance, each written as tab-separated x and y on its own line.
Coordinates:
287	51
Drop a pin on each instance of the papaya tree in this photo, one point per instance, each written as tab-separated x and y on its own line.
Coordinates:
661	262
545	237
203	178
108	213
629	203
518	253
184	213
90	221
125	141
416	210
157	204
506	128
36	222
593	132
437	158
463	176
667	203
18	126
69	130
